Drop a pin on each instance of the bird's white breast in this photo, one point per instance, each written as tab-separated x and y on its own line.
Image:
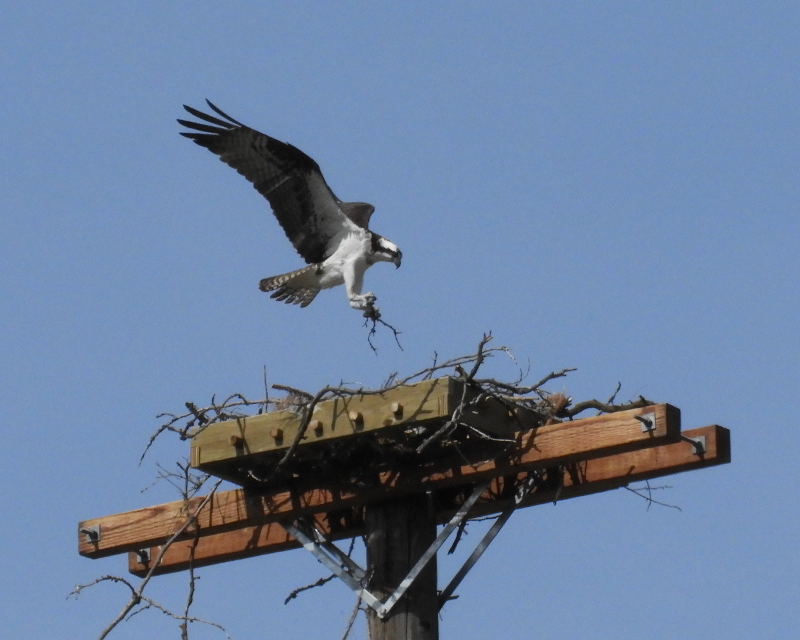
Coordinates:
350	250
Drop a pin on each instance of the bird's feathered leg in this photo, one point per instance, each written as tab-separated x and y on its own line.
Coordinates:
354	281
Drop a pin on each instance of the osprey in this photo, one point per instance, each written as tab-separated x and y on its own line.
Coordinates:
330	235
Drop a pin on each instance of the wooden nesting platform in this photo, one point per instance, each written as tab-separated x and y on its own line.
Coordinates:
230	449
572	458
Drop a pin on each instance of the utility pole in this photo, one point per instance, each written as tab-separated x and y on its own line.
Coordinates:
398	533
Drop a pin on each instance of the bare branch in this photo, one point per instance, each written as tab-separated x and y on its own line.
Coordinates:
461	531
136	593
480	356
265	407
149	603
299	590
200	416
352	619
614	395
604	407
646	492
319	583
373	315
293	391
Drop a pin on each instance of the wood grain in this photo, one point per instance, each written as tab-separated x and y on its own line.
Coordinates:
422	402
545	446
579	479
536	448
398	533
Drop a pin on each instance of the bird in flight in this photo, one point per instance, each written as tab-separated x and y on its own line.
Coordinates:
332	236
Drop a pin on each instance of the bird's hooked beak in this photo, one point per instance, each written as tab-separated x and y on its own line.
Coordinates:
397	259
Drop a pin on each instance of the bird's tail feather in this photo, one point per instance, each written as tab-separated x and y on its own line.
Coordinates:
295	287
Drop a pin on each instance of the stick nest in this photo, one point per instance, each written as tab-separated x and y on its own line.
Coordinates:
357	460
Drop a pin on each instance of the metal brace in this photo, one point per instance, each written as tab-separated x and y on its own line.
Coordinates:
522	491
92	534
699	444
353	575
648	421
307	527
143	556
335	567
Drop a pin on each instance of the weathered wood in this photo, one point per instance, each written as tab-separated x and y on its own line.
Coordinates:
612	472
134	530
221	448
579	479
398	532
536	448
238	544
422	402
246	542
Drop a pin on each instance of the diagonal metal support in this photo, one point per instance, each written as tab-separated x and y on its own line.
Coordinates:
335	566
456	520
344	560
522	491
353	575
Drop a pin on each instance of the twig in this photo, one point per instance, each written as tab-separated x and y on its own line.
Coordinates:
352	619
604	406
299	590
614	395
265	406
646	493
321	581
136	593
480	356
152	604
200	416
373	315
462	529
192	582
295	392
522	391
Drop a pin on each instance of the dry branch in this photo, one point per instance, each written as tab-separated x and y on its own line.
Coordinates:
137	596
373	315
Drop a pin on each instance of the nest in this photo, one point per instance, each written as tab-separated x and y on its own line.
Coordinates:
358	461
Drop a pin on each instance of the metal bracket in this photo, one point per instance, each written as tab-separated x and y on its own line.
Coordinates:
307	527
143	556
335	566
92	534
699	444
522	491
648	421
353	575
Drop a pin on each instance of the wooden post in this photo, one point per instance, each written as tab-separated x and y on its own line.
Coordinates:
398	533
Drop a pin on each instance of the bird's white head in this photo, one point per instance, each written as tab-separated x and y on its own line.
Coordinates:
385	250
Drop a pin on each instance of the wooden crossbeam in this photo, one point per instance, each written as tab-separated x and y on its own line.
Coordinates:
580	478
546	446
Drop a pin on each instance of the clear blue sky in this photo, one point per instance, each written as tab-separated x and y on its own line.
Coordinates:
606	185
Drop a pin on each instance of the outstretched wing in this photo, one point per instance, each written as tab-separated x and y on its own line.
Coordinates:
301	200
